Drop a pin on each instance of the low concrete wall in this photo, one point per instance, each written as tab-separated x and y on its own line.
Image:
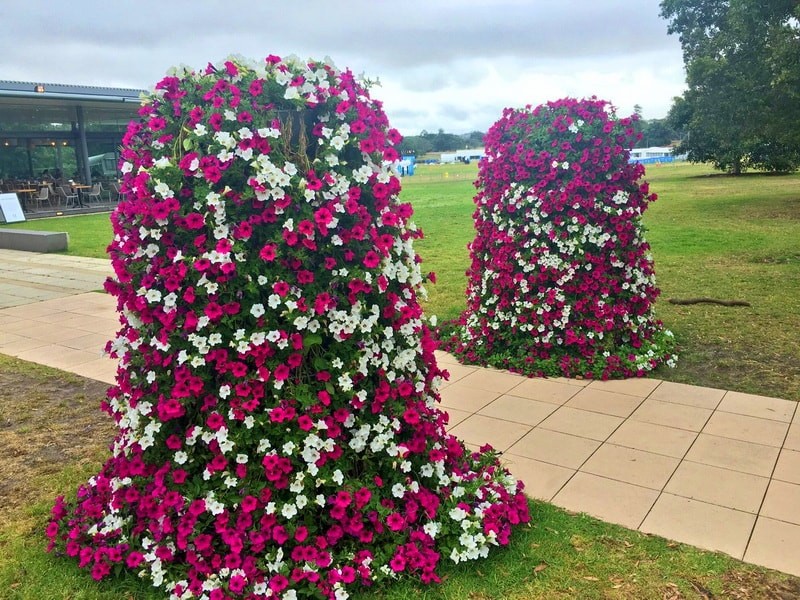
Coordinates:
34	241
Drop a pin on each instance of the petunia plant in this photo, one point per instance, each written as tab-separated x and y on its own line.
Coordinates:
561	280
276	396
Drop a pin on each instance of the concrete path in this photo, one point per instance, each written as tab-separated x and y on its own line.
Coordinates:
713	468
27	277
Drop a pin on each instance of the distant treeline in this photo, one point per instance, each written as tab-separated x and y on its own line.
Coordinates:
655	132
440	142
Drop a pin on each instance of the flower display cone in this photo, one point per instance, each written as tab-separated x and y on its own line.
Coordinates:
276	398
561	280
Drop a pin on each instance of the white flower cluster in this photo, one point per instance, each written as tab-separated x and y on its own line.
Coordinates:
538	247
472	542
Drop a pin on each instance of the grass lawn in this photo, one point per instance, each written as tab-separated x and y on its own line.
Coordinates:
712	235
53	437
89	235
729	238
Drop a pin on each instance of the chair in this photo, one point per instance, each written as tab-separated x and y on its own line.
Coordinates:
44	196
115	189
69	197
109	191
94	193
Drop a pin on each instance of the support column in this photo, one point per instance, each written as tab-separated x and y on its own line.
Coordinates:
29	146
59	158
82	148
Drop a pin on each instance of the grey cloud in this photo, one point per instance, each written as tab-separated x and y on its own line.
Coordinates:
392	34
421	46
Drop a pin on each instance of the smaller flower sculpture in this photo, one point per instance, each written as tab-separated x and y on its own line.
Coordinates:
561	280
276	399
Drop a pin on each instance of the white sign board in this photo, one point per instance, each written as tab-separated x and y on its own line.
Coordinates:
10	209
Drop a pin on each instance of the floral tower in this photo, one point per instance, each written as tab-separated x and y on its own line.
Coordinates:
561	280
277	388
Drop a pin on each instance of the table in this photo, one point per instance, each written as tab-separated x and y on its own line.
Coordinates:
28	195
79	188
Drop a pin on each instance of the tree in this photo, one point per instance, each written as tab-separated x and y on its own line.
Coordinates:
474	139
442	141
742	106
656	132
416	145
659	132
639	125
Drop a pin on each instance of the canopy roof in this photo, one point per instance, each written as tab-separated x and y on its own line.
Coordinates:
31	103
89	119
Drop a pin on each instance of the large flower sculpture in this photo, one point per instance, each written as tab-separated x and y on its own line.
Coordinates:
561	280
276	395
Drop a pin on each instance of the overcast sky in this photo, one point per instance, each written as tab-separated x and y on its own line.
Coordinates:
450	64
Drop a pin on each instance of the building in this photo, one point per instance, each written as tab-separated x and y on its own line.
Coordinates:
655	154
58	127
465	156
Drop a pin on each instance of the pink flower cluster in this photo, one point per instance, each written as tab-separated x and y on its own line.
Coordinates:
561	280
276	398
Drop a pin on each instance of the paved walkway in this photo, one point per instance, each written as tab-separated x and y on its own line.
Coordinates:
27	277
713	468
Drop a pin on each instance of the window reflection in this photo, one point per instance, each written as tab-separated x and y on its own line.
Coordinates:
38	137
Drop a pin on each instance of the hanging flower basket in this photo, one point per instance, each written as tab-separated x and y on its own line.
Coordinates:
562	281
276	398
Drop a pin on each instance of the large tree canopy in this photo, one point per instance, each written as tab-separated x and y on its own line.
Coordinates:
742	58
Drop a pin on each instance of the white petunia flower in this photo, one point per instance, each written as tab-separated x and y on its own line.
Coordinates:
338	477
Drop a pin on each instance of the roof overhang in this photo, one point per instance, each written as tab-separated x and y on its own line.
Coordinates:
22	101
33	91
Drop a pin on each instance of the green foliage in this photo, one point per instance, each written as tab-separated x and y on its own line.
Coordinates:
742	58
416	145
657	132
439	142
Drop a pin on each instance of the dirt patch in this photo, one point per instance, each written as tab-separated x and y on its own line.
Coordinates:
760	368
48	420
757	585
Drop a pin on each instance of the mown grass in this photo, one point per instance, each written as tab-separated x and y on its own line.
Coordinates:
712	235
732	238
89	235
558	556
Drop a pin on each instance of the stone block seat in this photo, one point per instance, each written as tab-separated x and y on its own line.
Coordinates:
34	241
